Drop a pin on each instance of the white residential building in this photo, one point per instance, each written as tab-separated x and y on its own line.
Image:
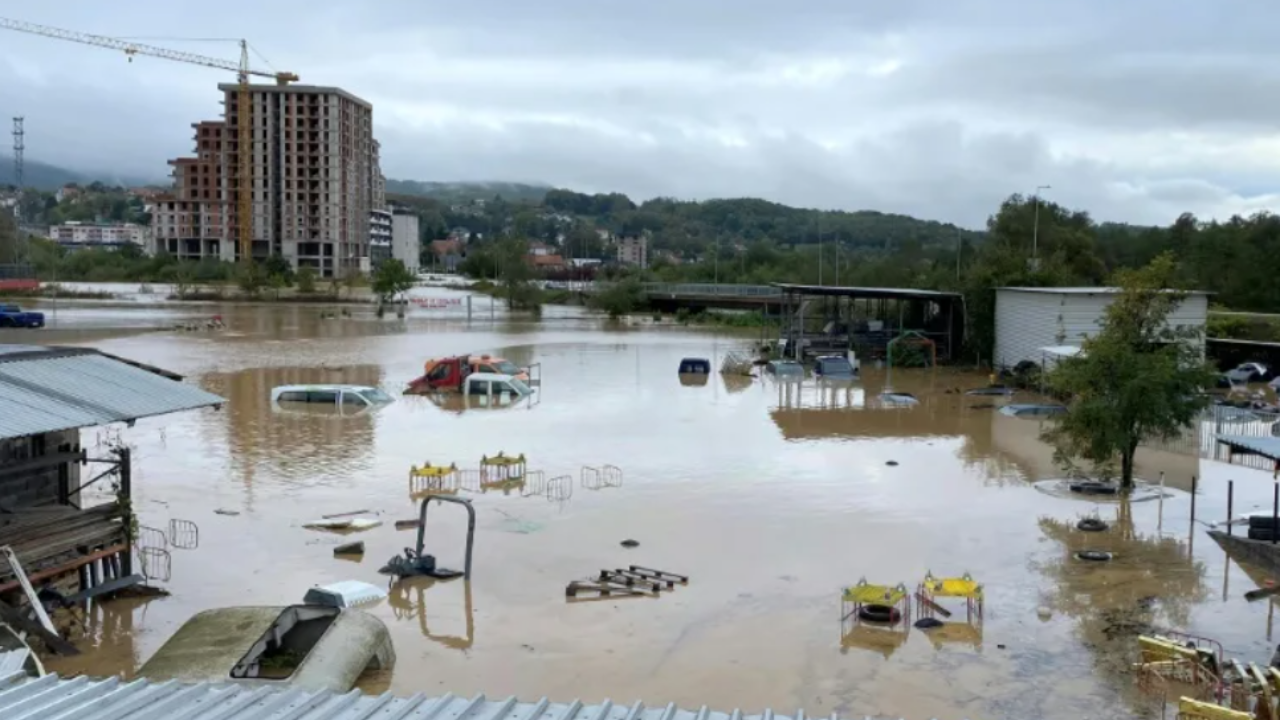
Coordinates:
379	235
1042	324
405	244
101	235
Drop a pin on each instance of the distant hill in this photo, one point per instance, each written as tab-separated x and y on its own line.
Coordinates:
43	176
462	191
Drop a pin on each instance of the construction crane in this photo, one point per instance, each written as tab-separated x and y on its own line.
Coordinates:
244	143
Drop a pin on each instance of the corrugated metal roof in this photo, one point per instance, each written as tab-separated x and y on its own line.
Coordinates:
1084	290
44	390
82	698
1268	447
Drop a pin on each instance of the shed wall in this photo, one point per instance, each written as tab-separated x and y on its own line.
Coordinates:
1028	321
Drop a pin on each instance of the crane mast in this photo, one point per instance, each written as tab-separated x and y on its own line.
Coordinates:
244	118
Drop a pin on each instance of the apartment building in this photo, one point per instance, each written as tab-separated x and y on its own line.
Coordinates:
106	236
315	177
634	251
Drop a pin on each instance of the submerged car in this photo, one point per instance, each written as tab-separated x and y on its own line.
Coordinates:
1029	410
834	366
785	368
1249	372
345	397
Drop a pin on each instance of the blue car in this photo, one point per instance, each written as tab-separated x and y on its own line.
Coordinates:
12	316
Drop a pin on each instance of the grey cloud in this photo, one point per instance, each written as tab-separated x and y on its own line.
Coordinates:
788	101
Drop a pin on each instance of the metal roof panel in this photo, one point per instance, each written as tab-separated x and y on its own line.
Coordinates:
1268	447
55	390
54	698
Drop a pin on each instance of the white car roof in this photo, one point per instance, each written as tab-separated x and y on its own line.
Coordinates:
489	376
277	391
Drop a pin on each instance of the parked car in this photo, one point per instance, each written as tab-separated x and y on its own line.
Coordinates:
1250	372
345	397
13	316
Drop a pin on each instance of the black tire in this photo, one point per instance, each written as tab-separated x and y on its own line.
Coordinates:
1091	525
1093	556
879	613
1261	522
6	322
928	623
1092	487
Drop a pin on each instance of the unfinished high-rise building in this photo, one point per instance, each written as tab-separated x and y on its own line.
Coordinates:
315	182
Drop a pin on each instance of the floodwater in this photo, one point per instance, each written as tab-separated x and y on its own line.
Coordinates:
769	496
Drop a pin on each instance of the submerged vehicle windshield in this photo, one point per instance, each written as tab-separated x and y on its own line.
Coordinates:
520	386
375	395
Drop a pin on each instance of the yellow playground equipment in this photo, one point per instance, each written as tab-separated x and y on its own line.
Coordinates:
1189	709
877	617
931	589
429	479
1193	664
502	472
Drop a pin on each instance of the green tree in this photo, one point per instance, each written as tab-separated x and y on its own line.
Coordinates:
306	280
1137	379
277	267
181	276
515	273
391	279
251	278
620	298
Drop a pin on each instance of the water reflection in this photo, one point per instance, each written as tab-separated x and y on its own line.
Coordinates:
293	444
106	633
1152	580
408	600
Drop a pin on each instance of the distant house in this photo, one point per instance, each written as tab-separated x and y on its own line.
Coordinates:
547	263
634	251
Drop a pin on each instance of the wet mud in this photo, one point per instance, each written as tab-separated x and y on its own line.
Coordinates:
771	496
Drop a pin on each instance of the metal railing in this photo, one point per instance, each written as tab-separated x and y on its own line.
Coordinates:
699	289
1217	420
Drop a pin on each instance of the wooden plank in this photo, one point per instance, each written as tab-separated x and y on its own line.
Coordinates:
933	605
78	562
38	607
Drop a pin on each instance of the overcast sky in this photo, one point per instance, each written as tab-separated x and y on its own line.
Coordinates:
1135	111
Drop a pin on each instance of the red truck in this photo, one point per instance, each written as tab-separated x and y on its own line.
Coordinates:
447	374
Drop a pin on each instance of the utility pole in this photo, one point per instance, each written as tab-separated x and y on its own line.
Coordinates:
18	147
959	247
1035	229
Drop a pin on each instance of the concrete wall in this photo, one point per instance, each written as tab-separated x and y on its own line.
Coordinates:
405	245
1027	320
42	485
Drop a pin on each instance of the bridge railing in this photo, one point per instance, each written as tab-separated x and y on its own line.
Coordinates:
701	289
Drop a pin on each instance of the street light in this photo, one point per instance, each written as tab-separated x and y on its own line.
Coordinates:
1035	227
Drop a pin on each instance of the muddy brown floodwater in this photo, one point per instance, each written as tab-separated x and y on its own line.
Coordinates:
770	496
